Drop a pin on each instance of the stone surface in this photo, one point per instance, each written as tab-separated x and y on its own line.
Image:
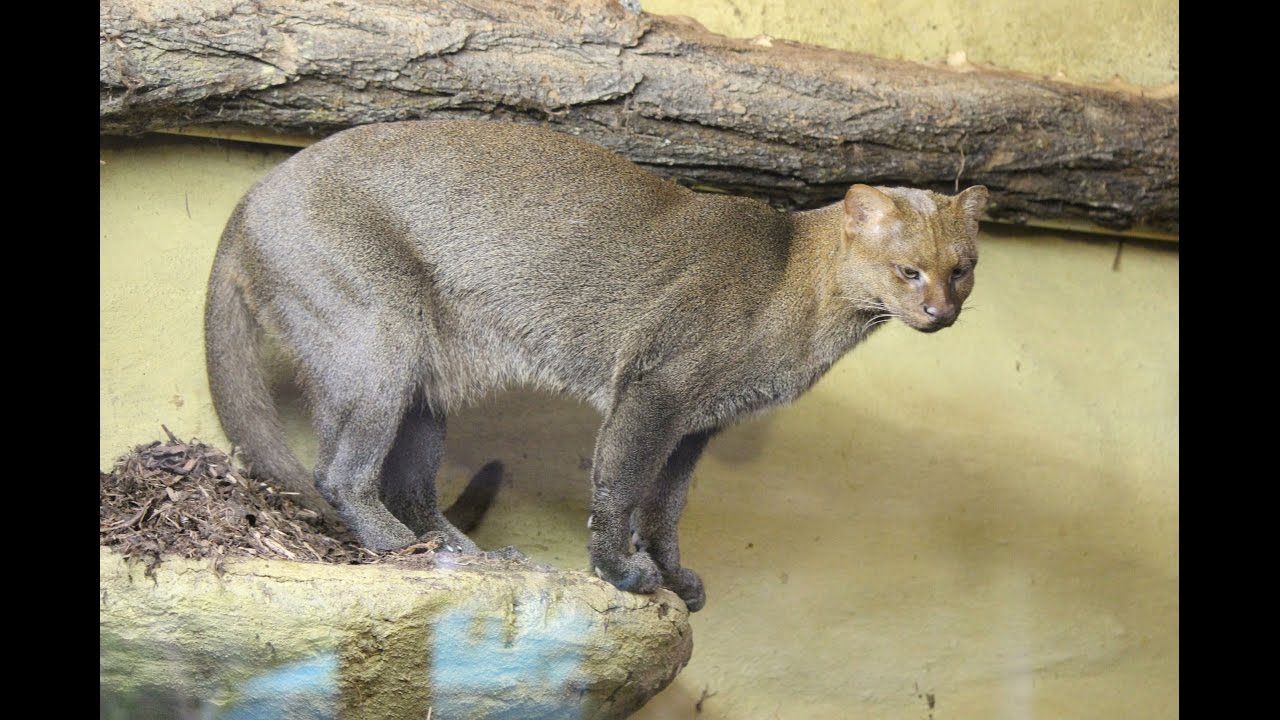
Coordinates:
278	639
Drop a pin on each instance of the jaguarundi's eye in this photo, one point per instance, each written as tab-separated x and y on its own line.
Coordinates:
959	272
908	273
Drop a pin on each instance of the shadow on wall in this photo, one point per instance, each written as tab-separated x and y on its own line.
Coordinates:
979	514
907	525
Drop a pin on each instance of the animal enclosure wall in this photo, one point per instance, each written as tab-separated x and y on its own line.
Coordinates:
978	523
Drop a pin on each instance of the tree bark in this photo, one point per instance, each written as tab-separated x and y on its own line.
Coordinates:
790	123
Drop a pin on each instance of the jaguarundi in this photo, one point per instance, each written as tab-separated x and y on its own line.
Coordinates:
407	268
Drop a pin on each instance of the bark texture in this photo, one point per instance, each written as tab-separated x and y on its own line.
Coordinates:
790	123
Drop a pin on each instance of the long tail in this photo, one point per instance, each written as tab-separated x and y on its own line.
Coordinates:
238	384
242	399
474	502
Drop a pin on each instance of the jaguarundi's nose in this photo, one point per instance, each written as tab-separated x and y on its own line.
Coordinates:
944	315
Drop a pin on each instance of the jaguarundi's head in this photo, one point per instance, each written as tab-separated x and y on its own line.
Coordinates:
910	254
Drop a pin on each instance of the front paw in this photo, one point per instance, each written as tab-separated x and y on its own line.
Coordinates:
688	586
635	573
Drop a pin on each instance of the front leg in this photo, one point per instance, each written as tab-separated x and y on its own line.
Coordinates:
658	515
634	442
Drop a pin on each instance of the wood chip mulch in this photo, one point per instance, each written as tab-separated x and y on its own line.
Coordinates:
191	500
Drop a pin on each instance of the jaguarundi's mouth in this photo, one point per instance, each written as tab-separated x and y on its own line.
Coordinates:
933	326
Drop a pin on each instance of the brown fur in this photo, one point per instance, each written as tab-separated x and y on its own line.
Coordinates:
411	267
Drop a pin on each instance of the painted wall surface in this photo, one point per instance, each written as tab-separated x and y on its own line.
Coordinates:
980	523
1090	41
987	515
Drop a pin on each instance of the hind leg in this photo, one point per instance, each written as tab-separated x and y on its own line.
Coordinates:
357	414
409	477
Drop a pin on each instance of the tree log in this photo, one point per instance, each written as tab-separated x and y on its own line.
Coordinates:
791	123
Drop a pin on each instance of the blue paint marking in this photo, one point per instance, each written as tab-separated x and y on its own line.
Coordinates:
472	659
305	690
477	658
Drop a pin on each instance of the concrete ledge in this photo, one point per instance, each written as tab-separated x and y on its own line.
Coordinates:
278	639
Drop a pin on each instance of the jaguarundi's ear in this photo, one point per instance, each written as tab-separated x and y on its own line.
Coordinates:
971	203
973	200
866	211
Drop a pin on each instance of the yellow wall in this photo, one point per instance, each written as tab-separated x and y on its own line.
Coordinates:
988	515
1083	40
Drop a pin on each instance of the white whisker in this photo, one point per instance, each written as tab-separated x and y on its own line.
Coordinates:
875	320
